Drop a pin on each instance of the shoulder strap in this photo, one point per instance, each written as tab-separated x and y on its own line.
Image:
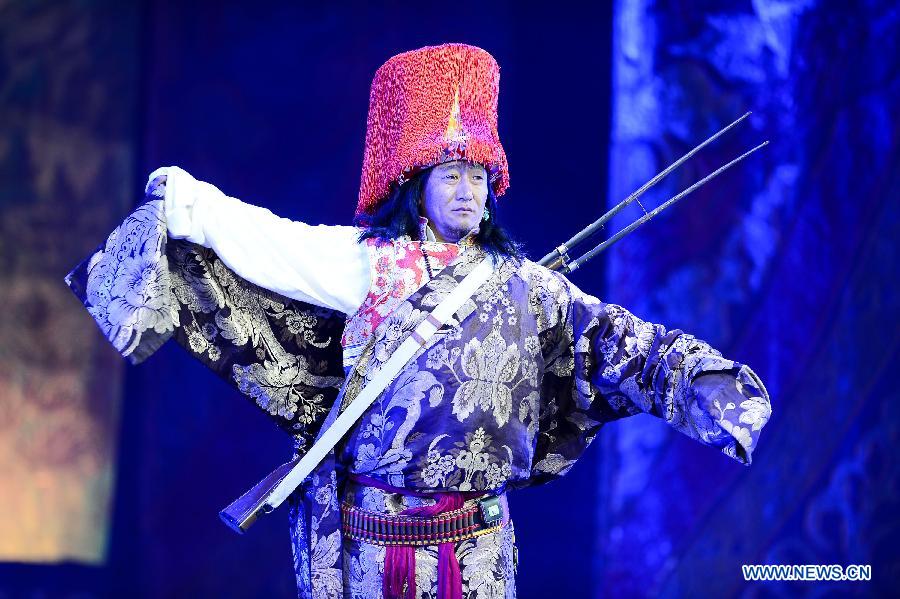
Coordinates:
272	492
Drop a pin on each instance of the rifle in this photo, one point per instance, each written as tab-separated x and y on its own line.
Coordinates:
274	489
559	259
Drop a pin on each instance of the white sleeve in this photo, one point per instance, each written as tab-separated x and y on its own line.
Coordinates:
321	265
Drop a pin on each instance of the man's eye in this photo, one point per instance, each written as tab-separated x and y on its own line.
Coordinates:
451	176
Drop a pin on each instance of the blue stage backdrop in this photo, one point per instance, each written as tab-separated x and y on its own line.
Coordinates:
785	263
68	143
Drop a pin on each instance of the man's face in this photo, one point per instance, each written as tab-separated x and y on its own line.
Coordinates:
455	195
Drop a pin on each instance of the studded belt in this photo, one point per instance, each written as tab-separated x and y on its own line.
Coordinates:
475	518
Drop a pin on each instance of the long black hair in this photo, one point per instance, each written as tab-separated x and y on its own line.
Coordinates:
399	215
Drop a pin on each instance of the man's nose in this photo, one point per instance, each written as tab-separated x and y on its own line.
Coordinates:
465	191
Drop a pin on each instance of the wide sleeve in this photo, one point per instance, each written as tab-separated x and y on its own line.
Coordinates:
142	288
604	363
323	265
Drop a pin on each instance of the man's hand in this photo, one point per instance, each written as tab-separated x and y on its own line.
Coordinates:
157	187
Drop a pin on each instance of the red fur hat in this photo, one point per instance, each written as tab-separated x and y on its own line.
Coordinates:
428	106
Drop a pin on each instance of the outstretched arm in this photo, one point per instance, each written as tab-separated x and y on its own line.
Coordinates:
322	265
603	363
143	287
643	367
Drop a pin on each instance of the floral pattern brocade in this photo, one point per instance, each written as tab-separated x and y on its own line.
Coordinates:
512	391
398	267
515	387
143	288
509	393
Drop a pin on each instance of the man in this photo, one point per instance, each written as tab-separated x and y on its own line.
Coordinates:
508	393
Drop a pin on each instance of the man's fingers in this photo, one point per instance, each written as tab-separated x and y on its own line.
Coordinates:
158	186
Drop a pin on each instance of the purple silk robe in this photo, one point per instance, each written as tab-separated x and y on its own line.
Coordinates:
508	394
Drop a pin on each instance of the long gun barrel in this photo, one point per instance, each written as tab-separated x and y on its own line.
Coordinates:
559	259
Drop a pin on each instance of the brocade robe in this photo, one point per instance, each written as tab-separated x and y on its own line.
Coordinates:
508	394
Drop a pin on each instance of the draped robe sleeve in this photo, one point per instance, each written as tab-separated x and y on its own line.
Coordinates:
603	363
323	265
142	288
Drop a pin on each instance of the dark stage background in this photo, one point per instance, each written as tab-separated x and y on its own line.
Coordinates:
112	476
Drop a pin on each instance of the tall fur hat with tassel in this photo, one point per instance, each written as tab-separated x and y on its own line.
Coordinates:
428	106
